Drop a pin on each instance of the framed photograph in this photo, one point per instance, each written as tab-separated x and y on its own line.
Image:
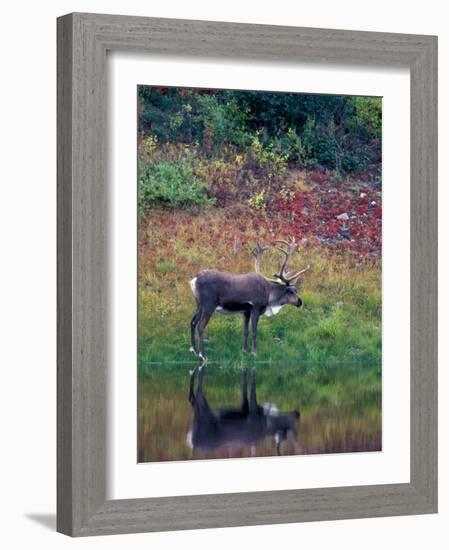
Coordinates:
232	178
247	274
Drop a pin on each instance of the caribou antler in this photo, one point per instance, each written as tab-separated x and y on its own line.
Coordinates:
288	277
258	252
291	245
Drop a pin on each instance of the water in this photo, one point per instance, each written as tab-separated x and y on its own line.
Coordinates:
339	408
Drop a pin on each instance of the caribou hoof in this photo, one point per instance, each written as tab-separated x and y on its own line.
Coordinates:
202	358
192	371
192	350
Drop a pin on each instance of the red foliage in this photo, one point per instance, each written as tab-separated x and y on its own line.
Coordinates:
345	217
220	192
318	176
339	218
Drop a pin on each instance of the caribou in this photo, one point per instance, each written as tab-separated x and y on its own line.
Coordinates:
239	427
251	294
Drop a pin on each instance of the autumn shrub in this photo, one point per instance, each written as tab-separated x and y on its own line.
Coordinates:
258	201
267	160
223	178
292	146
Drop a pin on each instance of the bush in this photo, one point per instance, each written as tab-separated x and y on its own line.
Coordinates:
258	201
260	133
268	160
221	120
171	184
291	146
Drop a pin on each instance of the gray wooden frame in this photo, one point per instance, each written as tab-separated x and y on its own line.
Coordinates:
83	40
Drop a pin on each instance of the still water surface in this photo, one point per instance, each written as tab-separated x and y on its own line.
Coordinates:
258	409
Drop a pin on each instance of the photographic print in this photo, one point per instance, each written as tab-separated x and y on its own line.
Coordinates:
259	273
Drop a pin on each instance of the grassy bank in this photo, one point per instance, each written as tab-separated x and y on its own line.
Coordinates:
340	320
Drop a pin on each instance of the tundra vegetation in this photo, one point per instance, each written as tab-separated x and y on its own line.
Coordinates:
221	170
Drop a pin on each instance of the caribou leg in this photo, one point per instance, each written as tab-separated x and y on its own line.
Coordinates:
245	404
254	320
253	406
246	317
206	314
201	406
193	324
191	387
201	401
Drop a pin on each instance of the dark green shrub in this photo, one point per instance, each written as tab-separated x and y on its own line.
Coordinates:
171	184
342	133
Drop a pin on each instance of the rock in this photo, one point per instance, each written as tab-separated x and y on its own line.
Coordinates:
320	168
345	233
343	216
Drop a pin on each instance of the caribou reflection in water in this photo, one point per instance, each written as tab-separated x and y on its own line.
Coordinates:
236	427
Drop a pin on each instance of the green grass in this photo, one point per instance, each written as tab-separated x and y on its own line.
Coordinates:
339	322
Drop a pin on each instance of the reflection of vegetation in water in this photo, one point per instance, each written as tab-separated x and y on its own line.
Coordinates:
340	407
